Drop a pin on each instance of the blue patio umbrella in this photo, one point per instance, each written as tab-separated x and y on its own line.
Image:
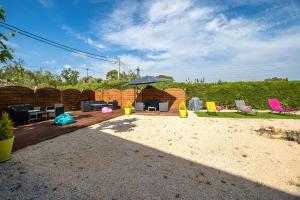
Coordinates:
147	80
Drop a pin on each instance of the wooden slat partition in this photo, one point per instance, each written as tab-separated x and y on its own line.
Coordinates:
128	95
87	95
12	95
179	95
47	97
71	99
173	95
98	95
112	94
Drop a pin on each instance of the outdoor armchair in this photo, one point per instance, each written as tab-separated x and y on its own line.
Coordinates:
211	107
241	106
56	110
276	106
139	106
85	106
164	106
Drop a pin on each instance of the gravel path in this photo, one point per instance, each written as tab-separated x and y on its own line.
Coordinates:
158	157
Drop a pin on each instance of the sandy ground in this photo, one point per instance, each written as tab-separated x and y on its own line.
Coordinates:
158	157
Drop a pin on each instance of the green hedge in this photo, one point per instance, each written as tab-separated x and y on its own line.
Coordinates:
255	94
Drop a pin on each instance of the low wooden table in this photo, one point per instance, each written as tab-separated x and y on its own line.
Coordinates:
96	106
151	108
34	115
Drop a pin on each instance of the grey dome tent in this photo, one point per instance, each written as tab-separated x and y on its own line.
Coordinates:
195	104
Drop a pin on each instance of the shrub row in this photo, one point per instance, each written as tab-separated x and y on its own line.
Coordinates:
255	94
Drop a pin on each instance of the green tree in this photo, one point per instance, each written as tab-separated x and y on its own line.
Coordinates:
12	73
276	79
112	75
131	76
166	77
46	78
70	76
5	52
90	79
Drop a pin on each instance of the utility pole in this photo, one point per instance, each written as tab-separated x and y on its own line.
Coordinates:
119	68
138	71
87	72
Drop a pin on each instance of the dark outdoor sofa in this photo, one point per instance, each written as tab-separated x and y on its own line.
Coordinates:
19	113
87	106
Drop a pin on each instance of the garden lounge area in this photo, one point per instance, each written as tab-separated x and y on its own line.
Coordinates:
115	156
33	111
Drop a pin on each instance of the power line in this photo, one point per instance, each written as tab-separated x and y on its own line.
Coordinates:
56	44
65	47
59	68
125	67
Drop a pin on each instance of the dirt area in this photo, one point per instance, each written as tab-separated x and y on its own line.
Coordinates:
158	157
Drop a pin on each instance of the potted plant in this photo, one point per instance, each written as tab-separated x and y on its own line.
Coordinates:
182	110
128	108
6	137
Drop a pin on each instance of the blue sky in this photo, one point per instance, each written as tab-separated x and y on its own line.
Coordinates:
228	40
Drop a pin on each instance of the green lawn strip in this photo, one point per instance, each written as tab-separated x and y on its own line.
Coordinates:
248	115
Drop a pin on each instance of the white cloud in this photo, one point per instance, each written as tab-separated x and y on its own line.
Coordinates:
94	43
46	3
67	66
79	36
165	10
203	40
50	62
161	56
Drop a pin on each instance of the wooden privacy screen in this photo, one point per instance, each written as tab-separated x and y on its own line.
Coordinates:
112	94
87	95
71	99
178	94
173	95
47	97
98	95
128	95
11	95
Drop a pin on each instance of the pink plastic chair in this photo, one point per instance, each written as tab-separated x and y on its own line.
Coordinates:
276	106
218	108
106	110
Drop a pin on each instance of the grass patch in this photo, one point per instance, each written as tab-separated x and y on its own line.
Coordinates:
259	115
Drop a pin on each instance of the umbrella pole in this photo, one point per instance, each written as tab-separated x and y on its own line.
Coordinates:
135	95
